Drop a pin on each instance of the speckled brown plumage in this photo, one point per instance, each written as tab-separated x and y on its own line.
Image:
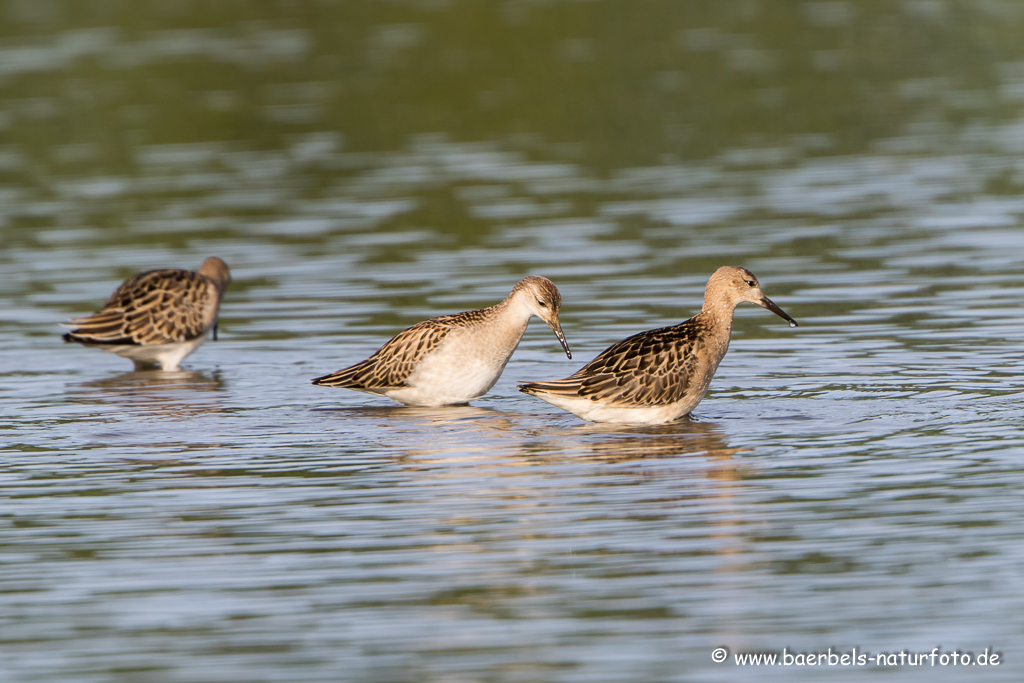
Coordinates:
659	375
392	363
655	367
543	288
158	308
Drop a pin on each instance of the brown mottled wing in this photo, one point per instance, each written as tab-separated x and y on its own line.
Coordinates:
392	364
647	369
156	307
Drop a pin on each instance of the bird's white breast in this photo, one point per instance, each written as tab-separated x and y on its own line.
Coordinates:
464	367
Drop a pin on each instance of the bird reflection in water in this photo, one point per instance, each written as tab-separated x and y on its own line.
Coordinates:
686	438
620	444
175	395
486	435
445	434
425	415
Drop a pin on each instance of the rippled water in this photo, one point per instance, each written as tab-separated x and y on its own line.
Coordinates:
854	482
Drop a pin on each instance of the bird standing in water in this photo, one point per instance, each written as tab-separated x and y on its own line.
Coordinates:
659	375
454	359
157	318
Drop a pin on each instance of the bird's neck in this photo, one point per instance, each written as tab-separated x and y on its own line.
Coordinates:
717	312
510	314
512	310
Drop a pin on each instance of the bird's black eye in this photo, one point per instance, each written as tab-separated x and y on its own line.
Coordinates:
751	283
542	304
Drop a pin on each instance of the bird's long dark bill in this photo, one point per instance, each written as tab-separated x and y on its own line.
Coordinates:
771	306
557	329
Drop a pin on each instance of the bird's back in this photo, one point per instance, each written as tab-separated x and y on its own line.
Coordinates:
654	367
156	307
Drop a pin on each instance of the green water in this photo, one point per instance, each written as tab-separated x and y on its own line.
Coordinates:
363	165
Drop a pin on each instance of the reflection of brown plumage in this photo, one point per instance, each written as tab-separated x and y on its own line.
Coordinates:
453	359
659	375
159	317
608	443
174	395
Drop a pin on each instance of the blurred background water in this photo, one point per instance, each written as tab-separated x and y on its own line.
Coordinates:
365	164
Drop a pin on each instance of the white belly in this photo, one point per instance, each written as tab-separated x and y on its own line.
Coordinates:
593	411
463	368
166	356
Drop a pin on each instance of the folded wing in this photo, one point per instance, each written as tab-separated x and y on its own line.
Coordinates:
650	368
394	362
156	307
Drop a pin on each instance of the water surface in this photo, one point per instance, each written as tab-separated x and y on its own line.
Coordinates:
854	482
